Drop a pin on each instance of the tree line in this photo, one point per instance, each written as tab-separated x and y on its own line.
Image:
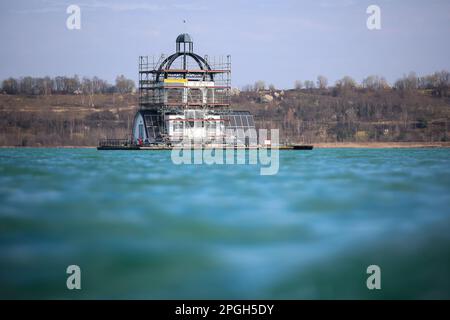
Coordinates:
65	85
436	84
302	116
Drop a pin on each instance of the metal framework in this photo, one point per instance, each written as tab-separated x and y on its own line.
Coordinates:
184	80
183	95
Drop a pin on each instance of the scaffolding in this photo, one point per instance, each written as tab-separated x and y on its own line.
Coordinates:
184	96
185	84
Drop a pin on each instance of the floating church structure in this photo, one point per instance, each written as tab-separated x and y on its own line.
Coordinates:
184	98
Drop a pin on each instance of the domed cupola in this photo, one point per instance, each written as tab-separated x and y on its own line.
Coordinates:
184	41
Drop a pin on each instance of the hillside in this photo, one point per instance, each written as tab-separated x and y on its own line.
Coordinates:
303	116
359	115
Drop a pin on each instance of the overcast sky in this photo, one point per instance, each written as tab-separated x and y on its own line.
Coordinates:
276	41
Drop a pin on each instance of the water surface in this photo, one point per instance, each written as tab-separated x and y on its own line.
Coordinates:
142	227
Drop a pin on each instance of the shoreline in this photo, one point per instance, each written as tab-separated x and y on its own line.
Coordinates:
48	147
381	145
319	145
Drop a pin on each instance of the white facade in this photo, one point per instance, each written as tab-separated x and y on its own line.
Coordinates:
194	124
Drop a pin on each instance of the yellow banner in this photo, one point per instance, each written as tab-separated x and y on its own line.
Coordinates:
175	80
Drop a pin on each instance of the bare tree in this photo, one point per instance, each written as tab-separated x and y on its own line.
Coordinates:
26	85
322	82
346	82
298	84
407	83
260	85
124	85
442	82
374	82
309	84
10	86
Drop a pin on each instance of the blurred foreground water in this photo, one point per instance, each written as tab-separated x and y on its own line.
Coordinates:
142	227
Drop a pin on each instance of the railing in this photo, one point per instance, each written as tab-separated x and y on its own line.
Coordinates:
115	143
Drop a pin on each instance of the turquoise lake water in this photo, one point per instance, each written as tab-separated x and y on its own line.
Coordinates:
141	227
